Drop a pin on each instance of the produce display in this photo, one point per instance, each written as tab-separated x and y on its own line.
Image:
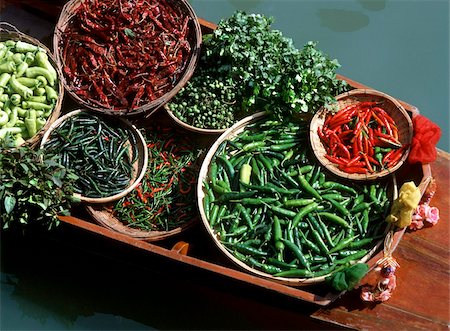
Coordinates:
28	91
34	188
275	209
245	67
165	198
100	151
123	55
361	138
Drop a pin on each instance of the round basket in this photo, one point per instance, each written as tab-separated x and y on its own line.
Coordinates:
194	38
163	205
192	128
202	192
104	216
9	32
391	106
139	165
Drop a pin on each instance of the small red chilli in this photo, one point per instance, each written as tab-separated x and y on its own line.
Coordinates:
361	138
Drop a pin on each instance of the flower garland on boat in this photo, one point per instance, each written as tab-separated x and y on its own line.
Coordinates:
409	210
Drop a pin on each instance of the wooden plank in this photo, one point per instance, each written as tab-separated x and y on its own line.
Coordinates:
218	269
422	298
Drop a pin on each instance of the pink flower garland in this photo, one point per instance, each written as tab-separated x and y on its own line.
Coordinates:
425	215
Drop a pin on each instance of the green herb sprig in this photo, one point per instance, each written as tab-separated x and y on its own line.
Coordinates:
263	70
34	188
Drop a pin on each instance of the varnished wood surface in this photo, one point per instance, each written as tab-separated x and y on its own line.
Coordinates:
422	298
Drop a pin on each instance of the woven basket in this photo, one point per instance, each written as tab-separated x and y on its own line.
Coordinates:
104	216
390	105
201	193
9	32
190	127
195	39
138	168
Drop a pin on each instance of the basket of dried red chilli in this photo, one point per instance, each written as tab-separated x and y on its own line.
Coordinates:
367	138
163	204
126	57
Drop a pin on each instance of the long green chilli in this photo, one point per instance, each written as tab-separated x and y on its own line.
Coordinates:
98	150
306	224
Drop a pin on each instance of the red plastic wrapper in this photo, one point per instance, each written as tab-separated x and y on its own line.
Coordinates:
426	136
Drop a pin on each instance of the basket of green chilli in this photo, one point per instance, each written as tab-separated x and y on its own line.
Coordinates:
108	154
31	91
276	212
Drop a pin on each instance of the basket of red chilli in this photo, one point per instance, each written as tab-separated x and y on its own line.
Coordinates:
126	58
367	137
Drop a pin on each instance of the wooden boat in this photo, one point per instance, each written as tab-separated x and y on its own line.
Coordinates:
179	250
422	254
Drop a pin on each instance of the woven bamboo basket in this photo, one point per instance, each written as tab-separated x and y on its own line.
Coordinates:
192	128
9	32
194	38
139	165
201	193
103	215
389	104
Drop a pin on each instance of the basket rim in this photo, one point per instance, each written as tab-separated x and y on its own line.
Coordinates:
142	158
190	127
152	106
317	145
203	174
106	219
18	35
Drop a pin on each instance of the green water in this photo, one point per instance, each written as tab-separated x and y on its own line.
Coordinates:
398	47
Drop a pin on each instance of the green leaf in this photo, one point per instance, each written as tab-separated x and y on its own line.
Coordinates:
9	204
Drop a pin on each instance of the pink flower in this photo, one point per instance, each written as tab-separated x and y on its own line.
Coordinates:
416	224
432	215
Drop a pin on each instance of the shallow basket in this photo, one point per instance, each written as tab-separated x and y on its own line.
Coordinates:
103	216
195	40
138	167
201	193
190	127
390	105
9	32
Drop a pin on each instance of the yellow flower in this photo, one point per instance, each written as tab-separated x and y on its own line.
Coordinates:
404	206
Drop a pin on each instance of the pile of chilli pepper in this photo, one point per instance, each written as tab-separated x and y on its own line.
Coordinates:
277	211
124	54
361	138
100	151
165	198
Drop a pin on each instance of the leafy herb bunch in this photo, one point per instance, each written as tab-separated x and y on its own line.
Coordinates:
34	187
270	72
246	66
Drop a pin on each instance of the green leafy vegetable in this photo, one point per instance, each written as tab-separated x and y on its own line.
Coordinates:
263	70
33	188
348	278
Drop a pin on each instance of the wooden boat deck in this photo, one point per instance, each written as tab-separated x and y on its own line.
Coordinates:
422	297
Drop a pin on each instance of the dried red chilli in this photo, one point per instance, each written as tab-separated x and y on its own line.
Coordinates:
165	198
124	54
355	138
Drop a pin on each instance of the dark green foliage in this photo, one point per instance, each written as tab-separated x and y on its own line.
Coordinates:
263	70
34	187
